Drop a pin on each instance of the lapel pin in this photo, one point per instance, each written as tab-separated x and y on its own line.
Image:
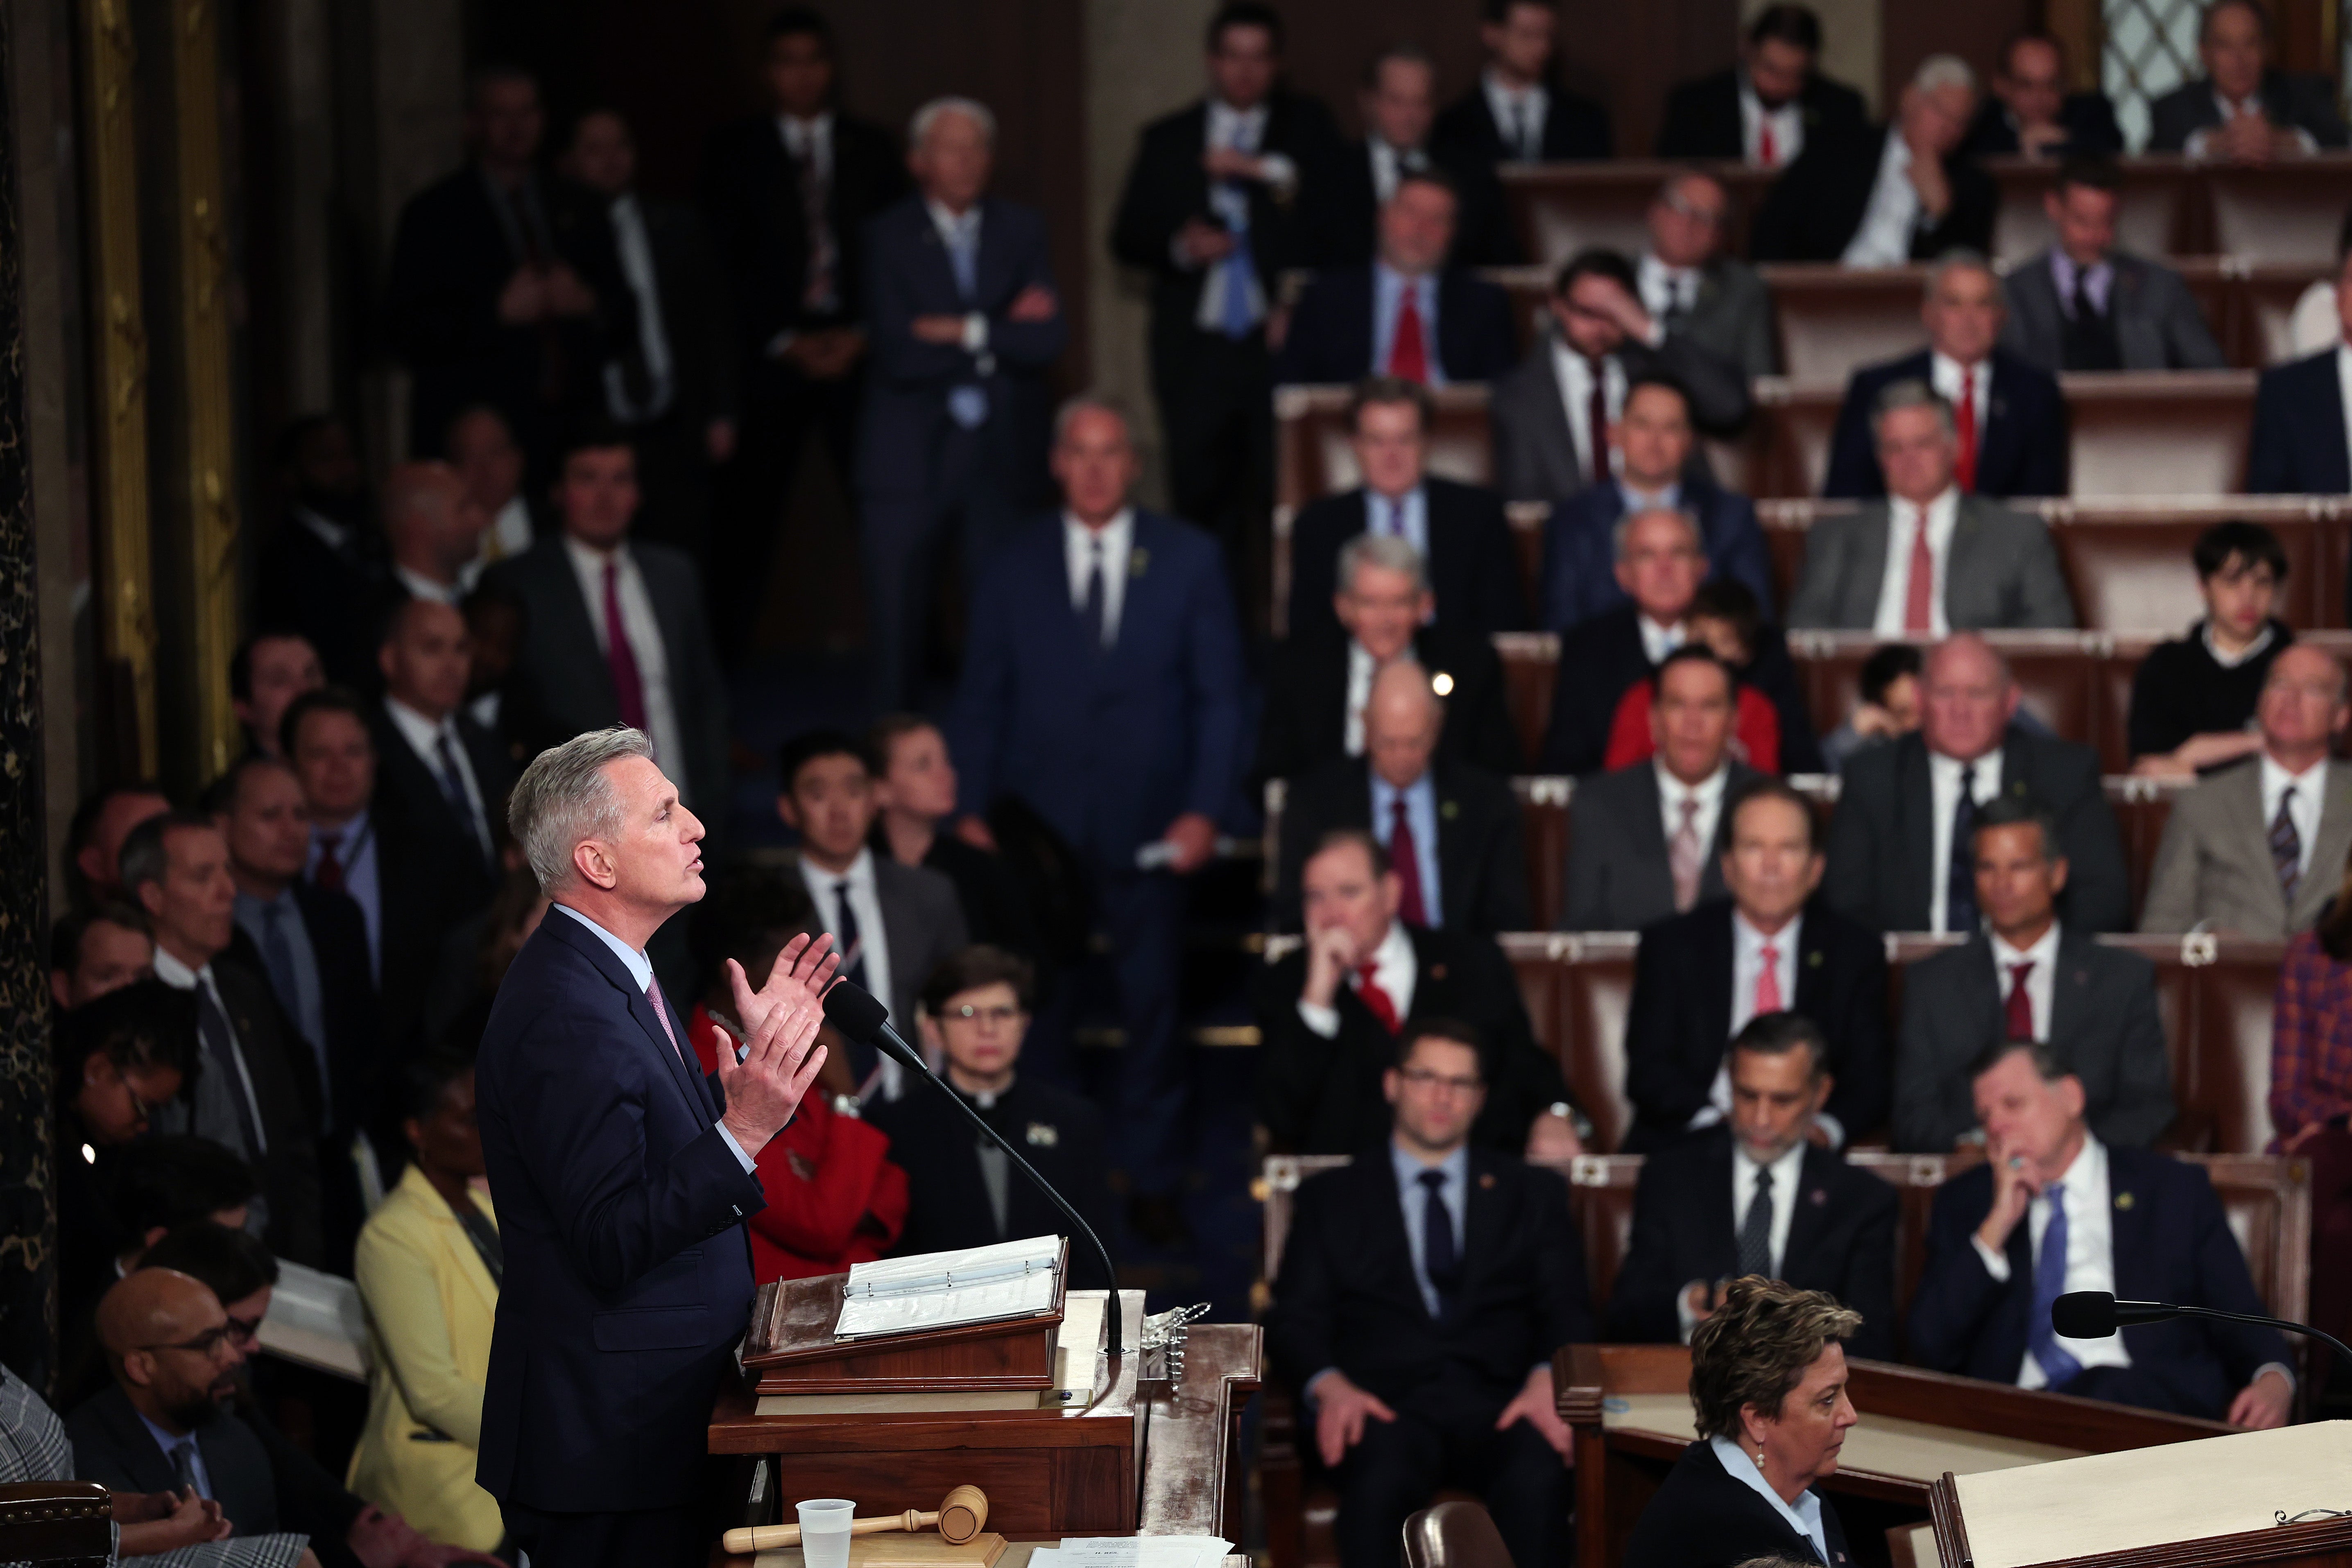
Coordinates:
1814	959
1437	972
2123	1200
1487	1180
1449	809
1137	560
1821	1197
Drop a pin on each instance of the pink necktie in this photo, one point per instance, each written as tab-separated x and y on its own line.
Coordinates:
661	1011
1919	592
1767	981
1686	857
628	686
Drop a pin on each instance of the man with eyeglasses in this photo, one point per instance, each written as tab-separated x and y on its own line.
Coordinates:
1692	288
1430	1365
962	1190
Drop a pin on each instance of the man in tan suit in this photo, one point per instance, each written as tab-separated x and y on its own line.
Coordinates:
2259	846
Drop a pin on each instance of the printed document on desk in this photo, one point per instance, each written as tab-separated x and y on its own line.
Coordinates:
945	1289
1133	1552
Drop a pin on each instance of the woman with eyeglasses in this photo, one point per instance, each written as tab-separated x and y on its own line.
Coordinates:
963	1191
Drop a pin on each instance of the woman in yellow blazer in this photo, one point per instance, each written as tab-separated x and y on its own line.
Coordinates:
429	1268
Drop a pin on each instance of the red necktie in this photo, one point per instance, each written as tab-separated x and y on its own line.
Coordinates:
2021	1004
330	872
1919	594
1377	1000
1767	981
1964	419
628	686
1404	860
1408	349
1768	152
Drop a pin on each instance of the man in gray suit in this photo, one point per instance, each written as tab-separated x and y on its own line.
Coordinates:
1927	559
1642	840
2084	305
2259	846
892	924
2028	978
1714	300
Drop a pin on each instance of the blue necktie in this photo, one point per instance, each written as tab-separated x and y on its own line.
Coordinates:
963	255
1092	612
2058	1364
1439	1261
453	787
1960	885
1231	200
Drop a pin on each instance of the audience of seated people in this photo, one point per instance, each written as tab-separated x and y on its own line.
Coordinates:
1316	688
1760	111
1651	448
960	1189
1887	706
1692	286
1798	1212
1723	617
2243	108
1552	415
2249	851
2029	113
1458	529
1430	1365
1900	857
2008	421
2193	699
1450	828
1331	1012
2084	305
1397	104
1768	947
2032	977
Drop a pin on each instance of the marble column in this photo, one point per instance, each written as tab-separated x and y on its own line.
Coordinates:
27	1191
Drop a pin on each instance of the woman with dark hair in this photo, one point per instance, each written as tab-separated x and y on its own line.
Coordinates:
2311	1097
1768	1387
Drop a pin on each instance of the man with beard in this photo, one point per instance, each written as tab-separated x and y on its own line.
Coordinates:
320	571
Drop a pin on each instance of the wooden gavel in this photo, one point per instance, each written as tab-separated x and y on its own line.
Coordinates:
960	1517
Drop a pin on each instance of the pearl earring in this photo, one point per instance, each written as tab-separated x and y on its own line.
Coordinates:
1759	1453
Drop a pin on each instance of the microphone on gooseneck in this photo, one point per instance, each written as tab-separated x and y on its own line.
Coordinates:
860	1017
2096	1315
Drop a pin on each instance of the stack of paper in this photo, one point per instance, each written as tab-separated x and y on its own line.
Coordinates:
1133	1552
941	1289
316	1320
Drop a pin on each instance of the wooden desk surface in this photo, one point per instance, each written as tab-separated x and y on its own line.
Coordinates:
1891	1446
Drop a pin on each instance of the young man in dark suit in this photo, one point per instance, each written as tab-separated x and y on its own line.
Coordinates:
661	674
1760	111
1103	689
1316	687
1517	112
1211	210
1398	105
2029	977
787	196
2243	108
1451	829
1410	312
1331	1012
1700	978
1459	528
2029	113
966	322
961	1189
2298	446
2055	1208
446	776
1839	202
1422	1293
1797	1213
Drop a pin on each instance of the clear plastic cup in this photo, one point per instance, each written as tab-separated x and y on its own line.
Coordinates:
825	1531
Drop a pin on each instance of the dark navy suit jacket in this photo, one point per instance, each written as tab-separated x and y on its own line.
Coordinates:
2172	1243
909	274
2298	440
1580	553
1331	336
621	1205
2021	451
1109	746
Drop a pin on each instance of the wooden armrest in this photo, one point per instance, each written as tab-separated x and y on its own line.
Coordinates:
56	1522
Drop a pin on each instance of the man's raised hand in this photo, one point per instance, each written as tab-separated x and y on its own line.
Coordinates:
802	971
781	1059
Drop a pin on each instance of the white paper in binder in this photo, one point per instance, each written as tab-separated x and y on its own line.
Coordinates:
316	1320
942	1289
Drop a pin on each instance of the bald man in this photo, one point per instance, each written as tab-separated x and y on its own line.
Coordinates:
433	527
1898	845
1451	829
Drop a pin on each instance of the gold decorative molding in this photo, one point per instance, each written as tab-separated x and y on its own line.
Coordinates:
126	609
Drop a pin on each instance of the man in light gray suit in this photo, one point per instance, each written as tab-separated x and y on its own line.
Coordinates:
1642	840
1929	559
2027	977
2082	305
1716	302
2258	848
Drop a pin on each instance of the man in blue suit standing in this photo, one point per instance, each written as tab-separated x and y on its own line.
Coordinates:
965	323
1103	688
623	1175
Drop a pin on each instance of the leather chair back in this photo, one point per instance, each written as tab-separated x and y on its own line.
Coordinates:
1455	1534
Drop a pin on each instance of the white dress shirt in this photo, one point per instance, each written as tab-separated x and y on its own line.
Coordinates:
1406	516
1574	372
1782	1173
425	737
873	935
1903	519
509	531
1658	641
1388	162
1242	131
1883	238
332	534
180	977
636	255
2310	785
1117	539
420	587
2040	980
1394	971
1665	289
810	139
2090	1253
1788	123
641	970
1520	113
645	635
1361	668
1944	794
1803	1516
1707	793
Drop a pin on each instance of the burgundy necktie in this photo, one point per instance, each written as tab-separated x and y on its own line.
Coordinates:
329	873
2021	1002
628	686
1404	860
1964	421
1408	347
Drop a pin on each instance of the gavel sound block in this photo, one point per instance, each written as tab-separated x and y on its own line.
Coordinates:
958	1518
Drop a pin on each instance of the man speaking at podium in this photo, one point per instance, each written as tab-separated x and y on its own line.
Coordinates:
621	1183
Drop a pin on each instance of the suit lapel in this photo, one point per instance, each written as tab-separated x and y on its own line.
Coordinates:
1719	1234
2334	845
574	625
1647	830
1810	1218
2129	1214
2328	408
2070	987
1483	1226
1396	1238
1455	847
640	1005
1559	442
1963	577
1915	792
1716	947
2243	800
1866	564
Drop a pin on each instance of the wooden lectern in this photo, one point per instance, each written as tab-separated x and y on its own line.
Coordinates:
2186	1506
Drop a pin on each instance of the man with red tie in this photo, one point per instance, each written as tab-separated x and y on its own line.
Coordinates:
1330	1014
618	630
1406	313
2007	414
